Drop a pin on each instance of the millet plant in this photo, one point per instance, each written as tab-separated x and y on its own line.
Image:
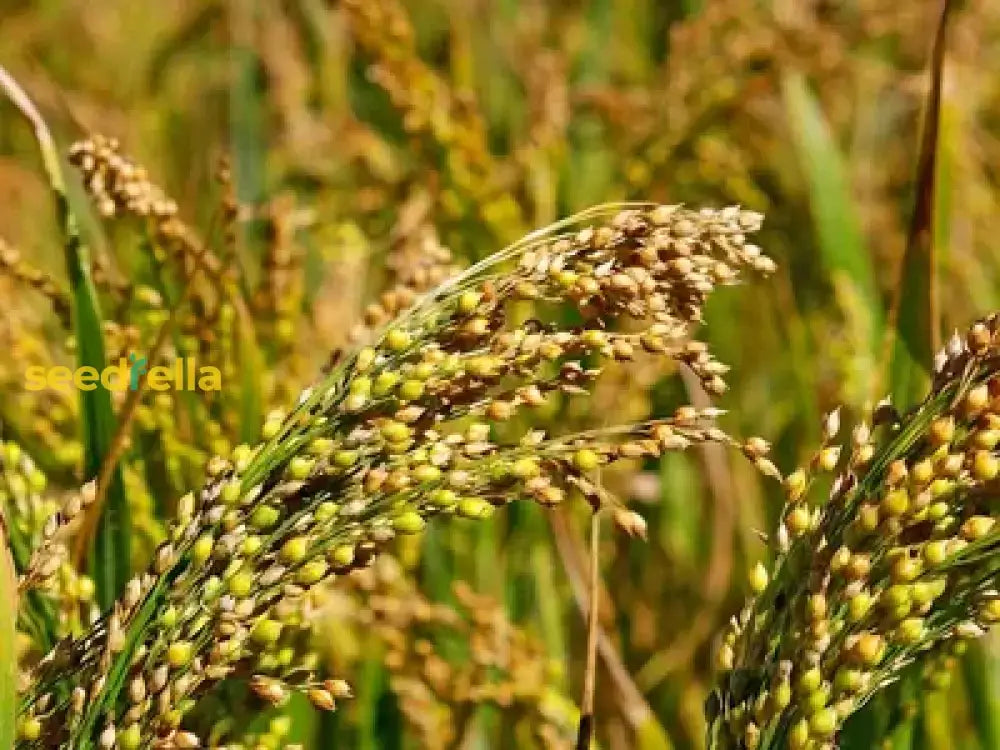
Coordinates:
883	560
890	563
893	563
396	432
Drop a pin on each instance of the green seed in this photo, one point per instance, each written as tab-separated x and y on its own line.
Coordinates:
30	729
320	446
941	488
823	723
344	459
385	382
342	555
922	593
280	726
935	552
586	460
858	606
758	578
272	426
130	738
424	370
847	680
211	587
395	432
411	390
475	508
241	584
426	473
397	340
910	631
264	517
481	367
312	572
469	301
443	498
179	653
782	695
906	568
409	522
251	545
325	511
202	549
36	482
360	386
294	550
817	699
266	631
868	517
977	527
366	357
242	454
798	737
810	680
897	595
355	402
300	467
896	503
937	511
168	618
525	468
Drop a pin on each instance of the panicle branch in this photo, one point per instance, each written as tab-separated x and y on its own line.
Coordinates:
897	564
398	432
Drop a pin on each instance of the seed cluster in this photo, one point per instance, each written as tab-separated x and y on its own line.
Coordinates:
898	565
439	696
45	420
417	264
214	322
398	432
432	111
120	187
31	517
13	265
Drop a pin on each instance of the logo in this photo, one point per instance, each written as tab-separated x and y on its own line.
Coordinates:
183	375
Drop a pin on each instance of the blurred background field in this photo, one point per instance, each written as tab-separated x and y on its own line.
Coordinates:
372	142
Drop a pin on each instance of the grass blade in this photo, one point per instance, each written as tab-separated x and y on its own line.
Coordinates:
981	674
915	310
839	237
111	556
8	654
914	315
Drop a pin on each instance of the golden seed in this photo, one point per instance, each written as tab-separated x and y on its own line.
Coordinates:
397	340
896	502
868	649
758	578
977	527
179	653
942	430
294	550
985	466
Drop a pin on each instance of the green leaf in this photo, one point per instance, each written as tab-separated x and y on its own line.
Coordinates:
914	313
981	674
915	308
251	370
8	653
111	559
839	237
